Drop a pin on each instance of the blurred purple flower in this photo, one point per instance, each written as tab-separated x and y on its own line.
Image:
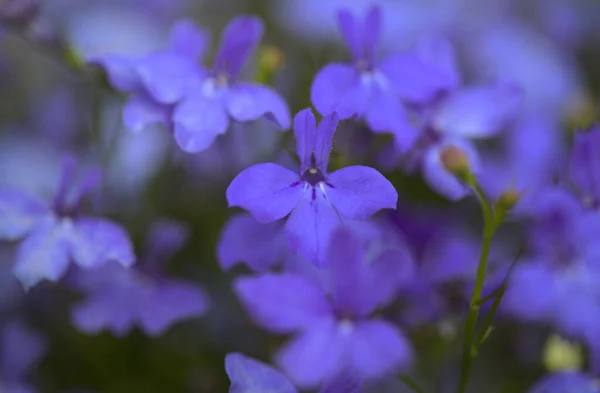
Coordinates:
559	278
249	376
56	234
171	89
372	89
119	298
20	350
316	201
566	382
333	331
584	165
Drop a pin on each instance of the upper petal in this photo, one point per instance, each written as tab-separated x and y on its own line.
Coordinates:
243	239
251	376
351	32
95	241
334	88
250	101
378	348
188	39
238	41
44	254
324	140
310	226
357	192
268	191
282	302
169	302
140	112
439	178
477	111
197	121
168	76
314	355
305	131
19	213
438	51
372	32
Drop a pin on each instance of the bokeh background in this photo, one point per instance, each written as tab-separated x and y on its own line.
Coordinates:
50	106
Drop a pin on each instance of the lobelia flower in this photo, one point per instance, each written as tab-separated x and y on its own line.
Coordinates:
119	298
317	201
53	235
373	89
584	165
559	278
172	89
248	375
454	117
566	382
332	322
20	350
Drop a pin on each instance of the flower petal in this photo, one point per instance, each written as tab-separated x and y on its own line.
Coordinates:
391	270
250	101
120	71
351	32
197	122
313	356
113	311
282	302
170	302
19	213
438	177
44	254
438	51
566	382
357	192
251	376
378	348
310	226
260	246
238	41
168	76
95	241
477	111
346	380
140	112
188	39
336	88
20	350
268	191
324	140
305	131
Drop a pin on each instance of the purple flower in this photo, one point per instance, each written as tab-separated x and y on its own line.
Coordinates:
55	234
559	278
248	375
454	117
119	298
318	201
373	89
333	324
584	165
566	382
170	88
20	350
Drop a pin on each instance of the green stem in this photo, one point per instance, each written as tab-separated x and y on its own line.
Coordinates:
489	228
410	383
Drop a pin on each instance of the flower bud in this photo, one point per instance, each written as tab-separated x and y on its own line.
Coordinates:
455	161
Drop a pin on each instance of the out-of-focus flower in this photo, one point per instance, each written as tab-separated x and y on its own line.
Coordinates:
335	331
120	298
584	165
316	201
55	234
248	375
20	350
566	382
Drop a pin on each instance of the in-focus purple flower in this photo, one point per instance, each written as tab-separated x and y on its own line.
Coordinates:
260	246
248	375
372	89
172	89
317	200
557	282
332	322
56	234
119	298
584	165
454	117
20	350
566	382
